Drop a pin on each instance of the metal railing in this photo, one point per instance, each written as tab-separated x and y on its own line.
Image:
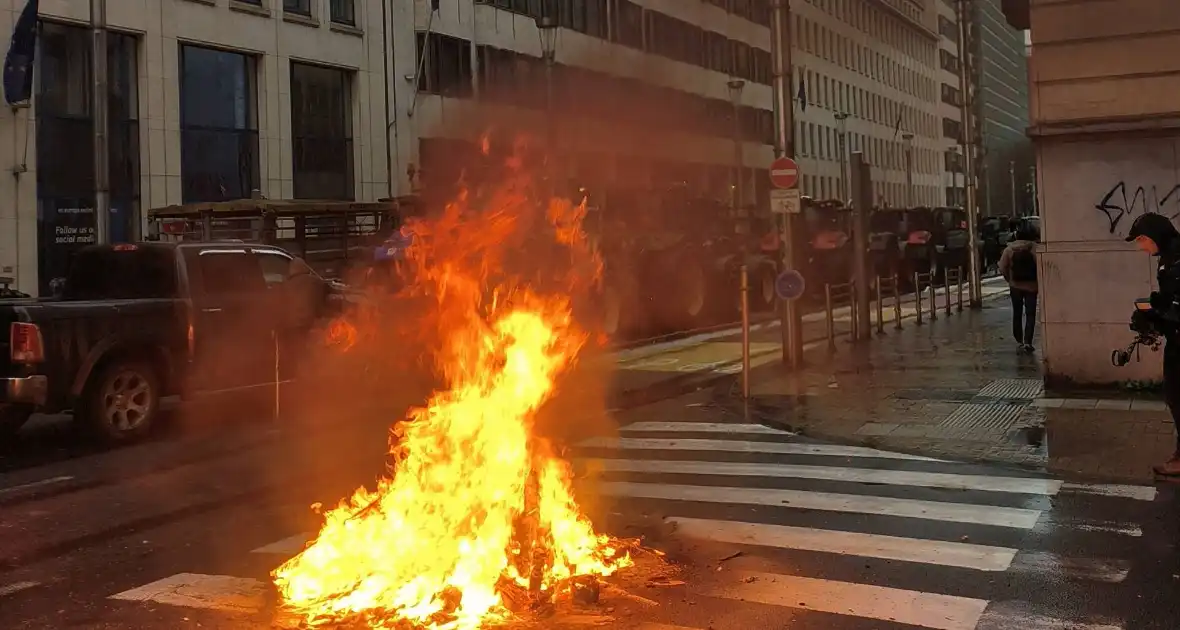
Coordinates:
840	296
891	287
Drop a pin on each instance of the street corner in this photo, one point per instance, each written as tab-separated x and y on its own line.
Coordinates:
1101	442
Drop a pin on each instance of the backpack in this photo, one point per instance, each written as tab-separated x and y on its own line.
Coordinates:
1024	265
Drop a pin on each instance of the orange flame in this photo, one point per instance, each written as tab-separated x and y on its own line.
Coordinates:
478	503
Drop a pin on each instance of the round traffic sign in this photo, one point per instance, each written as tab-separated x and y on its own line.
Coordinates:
784	173
789	285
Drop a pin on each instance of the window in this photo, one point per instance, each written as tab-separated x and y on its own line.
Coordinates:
321	132
447	70
948	29
276	267
951	129
948	61
64	131
229	272
218	125
342	12
143	273
302	7
950	95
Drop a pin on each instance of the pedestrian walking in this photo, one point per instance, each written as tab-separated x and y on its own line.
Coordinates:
1018	265
1155	234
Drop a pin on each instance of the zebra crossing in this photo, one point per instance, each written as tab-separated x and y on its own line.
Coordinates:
854	537
831	536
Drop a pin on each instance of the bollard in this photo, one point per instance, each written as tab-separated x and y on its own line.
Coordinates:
934	297
947	297
897	302
917	298
829	323
854	312
959	276
880	308
745	277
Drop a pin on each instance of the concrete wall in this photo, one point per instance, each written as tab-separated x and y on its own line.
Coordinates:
1092	190
1104	79
1105	59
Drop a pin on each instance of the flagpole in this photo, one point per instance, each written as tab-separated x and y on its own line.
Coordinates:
98	103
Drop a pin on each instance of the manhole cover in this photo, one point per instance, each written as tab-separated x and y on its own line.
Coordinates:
1021	388
976	417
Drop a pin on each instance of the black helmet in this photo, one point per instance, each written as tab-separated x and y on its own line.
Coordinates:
1156	227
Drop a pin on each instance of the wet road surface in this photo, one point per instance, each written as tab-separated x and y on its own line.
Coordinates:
773	531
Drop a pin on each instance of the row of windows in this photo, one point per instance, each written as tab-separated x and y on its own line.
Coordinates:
218	121
513	78
339	11
821	142
880	26
631	25
838	96
856	57
885	194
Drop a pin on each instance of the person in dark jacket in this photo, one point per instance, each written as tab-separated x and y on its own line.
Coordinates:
1018	265
1155	234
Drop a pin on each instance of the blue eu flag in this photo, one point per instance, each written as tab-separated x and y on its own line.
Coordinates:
18	64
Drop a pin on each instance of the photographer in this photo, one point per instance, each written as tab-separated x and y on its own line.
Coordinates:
1155	234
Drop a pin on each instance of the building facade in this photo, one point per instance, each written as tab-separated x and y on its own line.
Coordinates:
1000	75
1106	132
208	100
365	99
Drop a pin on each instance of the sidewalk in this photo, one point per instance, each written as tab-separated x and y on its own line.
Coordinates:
958	388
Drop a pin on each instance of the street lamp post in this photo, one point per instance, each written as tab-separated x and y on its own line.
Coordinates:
841	146
547	31
909	169
737	188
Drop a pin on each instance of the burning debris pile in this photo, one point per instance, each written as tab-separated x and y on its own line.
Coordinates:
477	519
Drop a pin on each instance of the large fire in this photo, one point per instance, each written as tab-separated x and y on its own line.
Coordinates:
478	508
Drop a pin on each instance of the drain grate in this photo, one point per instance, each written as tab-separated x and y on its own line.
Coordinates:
1019	388
977	417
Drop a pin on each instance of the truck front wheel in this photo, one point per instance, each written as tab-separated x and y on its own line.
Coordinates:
121	402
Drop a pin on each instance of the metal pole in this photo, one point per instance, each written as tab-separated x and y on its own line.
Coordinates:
830	324
98	103
947	296
880	308
842	155
933	300
1012	182
917	298
896	303
959	277
909	169
745	273
784	145
862	201
968	143
735	94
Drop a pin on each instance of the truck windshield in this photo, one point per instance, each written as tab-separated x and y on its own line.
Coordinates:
104	273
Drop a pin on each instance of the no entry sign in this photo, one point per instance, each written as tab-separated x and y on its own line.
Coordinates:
784	173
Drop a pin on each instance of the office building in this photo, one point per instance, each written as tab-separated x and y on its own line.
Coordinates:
218	99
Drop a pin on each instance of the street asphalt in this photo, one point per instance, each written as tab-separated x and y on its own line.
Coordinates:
765	529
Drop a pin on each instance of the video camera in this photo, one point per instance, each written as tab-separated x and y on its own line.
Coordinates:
1146	334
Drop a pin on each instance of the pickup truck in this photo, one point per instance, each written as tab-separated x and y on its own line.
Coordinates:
134	323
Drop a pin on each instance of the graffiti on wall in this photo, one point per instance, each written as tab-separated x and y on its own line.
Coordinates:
1122	204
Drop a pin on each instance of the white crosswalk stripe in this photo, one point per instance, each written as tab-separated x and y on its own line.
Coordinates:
807	517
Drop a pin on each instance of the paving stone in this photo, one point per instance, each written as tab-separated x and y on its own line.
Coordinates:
1078	403
877	428
1148	405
